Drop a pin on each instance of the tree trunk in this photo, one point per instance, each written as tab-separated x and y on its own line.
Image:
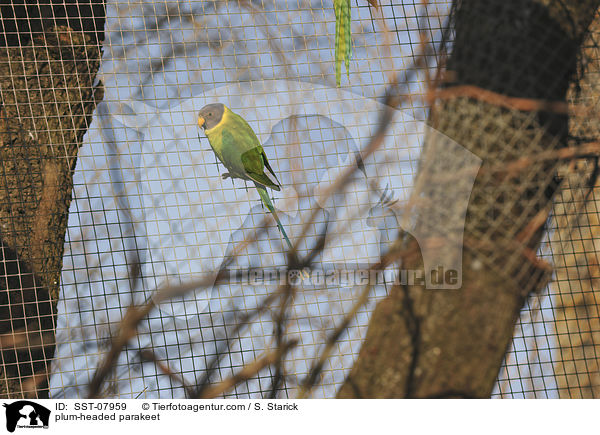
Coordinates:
504	98
576	289
48	95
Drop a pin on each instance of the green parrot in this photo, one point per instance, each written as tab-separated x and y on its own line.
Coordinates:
343	38
237	147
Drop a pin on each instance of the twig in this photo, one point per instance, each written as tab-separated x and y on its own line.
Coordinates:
149	355
317	367
248	371
496	99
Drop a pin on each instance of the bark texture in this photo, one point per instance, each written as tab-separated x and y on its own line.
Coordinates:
576	289
48	95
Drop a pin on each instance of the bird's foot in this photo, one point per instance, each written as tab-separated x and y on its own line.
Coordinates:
226	175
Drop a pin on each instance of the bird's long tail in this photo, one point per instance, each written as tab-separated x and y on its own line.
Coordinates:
343	38
264	196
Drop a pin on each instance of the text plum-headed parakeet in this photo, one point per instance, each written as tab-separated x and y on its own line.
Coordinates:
343	38
237	147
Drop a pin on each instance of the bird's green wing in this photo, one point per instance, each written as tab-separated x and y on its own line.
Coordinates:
254	166
268	166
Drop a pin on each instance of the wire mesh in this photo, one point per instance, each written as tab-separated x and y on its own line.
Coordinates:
99	108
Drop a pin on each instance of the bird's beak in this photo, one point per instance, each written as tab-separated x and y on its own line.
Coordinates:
201	122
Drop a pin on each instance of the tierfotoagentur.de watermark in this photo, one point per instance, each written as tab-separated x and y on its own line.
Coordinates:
347	276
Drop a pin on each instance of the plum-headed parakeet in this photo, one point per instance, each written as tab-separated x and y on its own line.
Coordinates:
237	147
